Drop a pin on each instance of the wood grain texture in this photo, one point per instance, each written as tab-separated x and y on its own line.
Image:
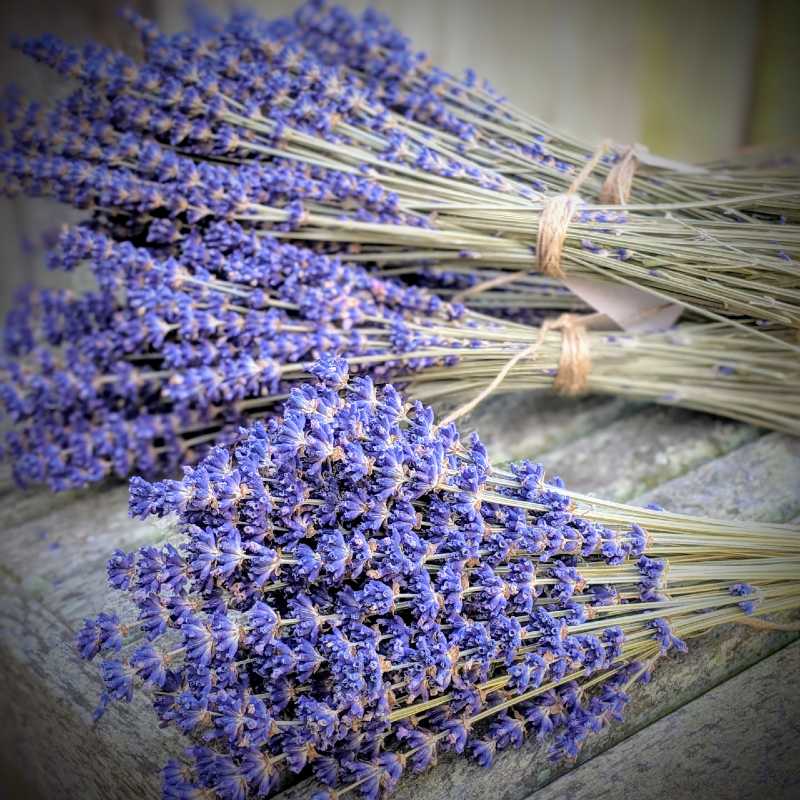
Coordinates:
643	450
528	425
763	474
52	574
711	742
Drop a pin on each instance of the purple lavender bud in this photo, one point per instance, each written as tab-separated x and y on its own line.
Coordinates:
743	590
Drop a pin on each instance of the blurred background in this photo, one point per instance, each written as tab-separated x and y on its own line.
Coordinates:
691	80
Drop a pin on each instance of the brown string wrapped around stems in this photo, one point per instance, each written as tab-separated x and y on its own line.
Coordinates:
575	362
573	367
616	189
557	213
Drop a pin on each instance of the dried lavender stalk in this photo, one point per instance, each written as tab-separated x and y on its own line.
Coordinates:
500	134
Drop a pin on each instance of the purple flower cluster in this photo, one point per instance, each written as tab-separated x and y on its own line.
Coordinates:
199	316
324	128
350	594
405	81
199	164
180	342
239	91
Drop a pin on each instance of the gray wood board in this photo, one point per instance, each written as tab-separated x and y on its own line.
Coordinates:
739	741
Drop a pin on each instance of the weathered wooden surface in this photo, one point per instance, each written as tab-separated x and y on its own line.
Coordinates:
50	568
52	574
674	756
644	449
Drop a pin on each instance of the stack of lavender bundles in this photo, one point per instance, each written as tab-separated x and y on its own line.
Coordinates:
514	143
470	117
162	357
203	317
265	97
351	590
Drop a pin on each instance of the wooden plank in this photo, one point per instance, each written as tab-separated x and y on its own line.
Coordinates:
694	66
51	571
643	450
26	505
763	475
711	742
527	425
47	712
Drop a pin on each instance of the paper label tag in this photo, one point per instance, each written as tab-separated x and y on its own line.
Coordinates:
652	160
634	310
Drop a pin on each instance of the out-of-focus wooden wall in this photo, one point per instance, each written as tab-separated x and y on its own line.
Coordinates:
692	80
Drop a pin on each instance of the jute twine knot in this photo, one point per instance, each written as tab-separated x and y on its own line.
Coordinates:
575	361
554	221
557	214
616	189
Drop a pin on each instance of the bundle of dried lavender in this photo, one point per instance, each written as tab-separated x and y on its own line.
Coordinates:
352	589
197	164
507	139
179	345
376	166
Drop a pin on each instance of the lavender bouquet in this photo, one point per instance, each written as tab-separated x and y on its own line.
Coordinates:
180	342
371	170
203	317
351	590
